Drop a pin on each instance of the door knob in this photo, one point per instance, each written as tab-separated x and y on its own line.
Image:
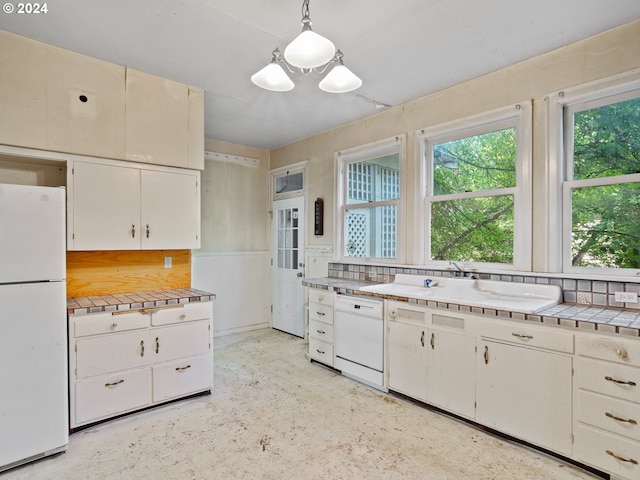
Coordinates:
299	274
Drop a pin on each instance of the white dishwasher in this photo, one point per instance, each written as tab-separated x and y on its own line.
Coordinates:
359	339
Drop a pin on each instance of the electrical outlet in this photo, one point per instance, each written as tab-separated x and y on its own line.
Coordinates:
584	298
168	262
626	297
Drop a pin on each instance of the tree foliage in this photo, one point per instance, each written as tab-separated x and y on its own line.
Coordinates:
476	229
606	219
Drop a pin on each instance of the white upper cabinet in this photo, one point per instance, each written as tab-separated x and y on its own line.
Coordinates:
170	210
22	91
106	207
157	120
85	105
54	99
130	207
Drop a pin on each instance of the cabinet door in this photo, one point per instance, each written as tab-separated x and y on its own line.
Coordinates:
85	105
407	358
525	393
196	128
170	210
112	353
451	365
22	91
179	341
156	120
106	207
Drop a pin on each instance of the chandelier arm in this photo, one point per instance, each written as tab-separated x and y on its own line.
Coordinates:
325	67
290	67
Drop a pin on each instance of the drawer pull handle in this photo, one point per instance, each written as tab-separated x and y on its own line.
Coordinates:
622	353
133	231
114	325
157	345
620	382
520	335
628	460
182	369
114	383
142	348
319	351
486	354
422	338
321	314
629	420
321	332
148	230
433	341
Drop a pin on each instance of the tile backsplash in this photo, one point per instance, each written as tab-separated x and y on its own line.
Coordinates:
585	292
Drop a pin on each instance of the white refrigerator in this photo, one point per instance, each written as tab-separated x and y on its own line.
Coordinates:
33	324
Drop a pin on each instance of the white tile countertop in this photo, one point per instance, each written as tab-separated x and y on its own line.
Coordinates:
134	300
570	315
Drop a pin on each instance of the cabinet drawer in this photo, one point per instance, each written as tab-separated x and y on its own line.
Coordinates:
598	448
520	334
616	416
612	349
99	323
324	297
112	353
321	313
182	377
609	378
111	395
321	351
321	331
182	313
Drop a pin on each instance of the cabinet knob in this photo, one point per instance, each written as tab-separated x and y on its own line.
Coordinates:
622	353
114	325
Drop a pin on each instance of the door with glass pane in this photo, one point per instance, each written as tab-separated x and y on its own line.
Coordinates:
288	266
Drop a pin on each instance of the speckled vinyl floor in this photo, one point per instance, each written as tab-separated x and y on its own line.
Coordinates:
274	415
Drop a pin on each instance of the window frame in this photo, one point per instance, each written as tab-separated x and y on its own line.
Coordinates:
517	115
388	146
561	106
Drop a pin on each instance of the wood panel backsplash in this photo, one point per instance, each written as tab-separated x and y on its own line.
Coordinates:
126	271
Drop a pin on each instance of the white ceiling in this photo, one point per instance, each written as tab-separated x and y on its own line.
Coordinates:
402	49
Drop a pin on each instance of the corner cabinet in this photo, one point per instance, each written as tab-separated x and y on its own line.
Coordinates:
127	360
120	206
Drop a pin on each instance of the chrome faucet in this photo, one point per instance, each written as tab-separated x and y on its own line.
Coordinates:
460	271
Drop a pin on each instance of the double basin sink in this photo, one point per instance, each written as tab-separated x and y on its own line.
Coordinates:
499	295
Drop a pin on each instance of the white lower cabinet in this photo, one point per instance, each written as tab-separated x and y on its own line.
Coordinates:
121	362
321	326
526	393
431	358
607	404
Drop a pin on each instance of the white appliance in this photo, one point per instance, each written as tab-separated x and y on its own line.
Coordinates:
359	339
33	337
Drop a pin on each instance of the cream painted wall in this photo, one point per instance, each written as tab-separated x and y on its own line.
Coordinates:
609	53
235	201
234	258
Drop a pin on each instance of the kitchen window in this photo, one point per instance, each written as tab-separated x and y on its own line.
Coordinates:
476	192
370	202
599	161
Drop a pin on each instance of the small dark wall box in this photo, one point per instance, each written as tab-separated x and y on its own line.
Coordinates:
318	224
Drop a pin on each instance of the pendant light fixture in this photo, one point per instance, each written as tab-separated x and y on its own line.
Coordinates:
307	53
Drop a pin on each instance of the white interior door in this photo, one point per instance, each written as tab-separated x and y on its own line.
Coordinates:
288	228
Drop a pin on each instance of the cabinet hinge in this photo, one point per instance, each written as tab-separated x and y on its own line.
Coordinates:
271	308
73	171
272	262
75	348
